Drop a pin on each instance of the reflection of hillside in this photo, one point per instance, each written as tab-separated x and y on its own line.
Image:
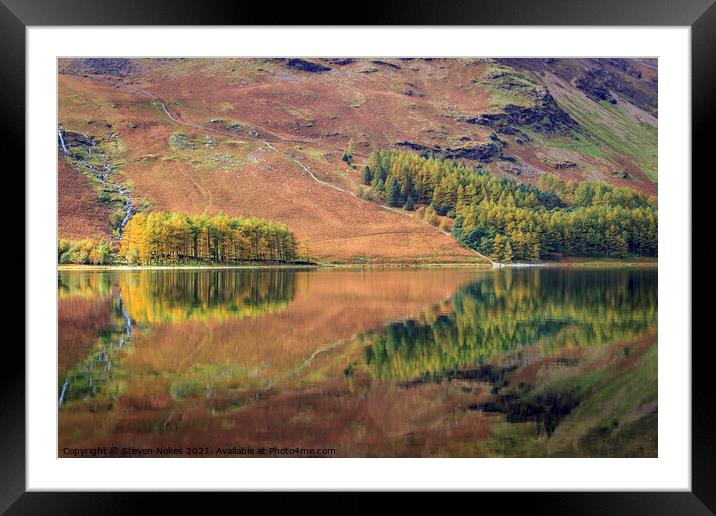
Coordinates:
98	309
505	312
578	337
197	338
80	319
328	307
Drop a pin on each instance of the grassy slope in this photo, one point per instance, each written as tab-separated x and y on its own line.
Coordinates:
246	178
623	131
80	214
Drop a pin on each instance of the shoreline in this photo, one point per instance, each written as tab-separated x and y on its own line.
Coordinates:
70	267
573	263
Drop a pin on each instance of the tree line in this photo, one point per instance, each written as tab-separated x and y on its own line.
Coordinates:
172	238
507	220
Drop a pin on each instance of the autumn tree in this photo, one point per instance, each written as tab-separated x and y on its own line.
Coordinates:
507	253
179	238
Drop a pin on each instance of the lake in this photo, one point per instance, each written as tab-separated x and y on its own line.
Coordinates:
427	362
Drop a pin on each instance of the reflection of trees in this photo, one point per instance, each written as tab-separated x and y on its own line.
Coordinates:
155	296
181	295
160	296
551	309
90	284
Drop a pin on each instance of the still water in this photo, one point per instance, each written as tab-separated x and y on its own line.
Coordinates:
461	362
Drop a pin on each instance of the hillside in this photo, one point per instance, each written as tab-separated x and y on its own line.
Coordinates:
266	138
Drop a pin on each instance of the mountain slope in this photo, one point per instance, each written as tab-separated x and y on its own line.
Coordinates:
265	137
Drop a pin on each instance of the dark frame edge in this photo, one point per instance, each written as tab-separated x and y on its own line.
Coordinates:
702	498
703	106
12	396
371	12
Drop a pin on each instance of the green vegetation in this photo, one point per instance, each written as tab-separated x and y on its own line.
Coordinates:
575	141
507	86
180	141
99	161
616	130
507	220
348	153
207	152
94	374
609	412
86	252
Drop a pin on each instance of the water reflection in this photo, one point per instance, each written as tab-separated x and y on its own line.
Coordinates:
513	309
160	296
171	295
461	362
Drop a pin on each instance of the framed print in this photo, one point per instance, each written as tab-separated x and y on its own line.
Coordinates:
419	252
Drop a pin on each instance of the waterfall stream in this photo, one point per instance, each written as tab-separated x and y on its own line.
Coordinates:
62	142
102	177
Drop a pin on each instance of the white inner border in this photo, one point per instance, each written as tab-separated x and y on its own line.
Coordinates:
670	471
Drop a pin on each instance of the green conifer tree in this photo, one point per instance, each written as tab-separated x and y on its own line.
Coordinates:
392	192
409	205
367	175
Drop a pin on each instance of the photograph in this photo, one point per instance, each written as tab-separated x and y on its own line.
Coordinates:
357	257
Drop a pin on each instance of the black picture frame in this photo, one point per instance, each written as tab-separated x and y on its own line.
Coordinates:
700	15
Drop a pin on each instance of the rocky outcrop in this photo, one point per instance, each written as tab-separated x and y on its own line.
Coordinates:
417	146
545	117
562	165
384	63
599	82
73	139
307	66
117	67
594	86
600	79
621	174
483	152
341	61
